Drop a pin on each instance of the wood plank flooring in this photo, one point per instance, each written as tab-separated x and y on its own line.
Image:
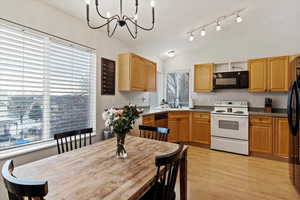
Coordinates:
214	175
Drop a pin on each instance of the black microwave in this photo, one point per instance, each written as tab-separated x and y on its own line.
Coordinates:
231	80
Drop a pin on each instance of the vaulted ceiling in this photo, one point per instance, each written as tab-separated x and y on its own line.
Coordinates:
174	18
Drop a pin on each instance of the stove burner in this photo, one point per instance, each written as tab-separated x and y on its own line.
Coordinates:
220	111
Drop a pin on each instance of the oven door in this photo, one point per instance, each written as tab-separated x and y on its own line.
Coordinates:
230	126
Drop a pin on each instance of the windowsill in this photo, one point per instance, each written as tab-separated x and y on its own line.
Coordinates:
18	151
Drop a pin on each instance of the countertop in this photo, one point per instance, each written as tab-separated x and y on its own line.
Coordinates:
252	111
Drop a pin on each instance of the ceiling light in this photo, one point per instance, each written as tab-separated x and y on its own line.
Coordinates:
218	27
238	19
191	38
152	3
120	20
171	53
203	32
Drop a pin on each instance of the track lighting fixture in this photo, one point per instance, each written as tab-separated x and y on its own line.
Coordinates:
238	19
217	23
218	27
203	32
191	38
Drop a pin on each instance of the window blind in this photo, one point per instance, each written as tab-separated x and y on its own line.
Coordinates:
47	86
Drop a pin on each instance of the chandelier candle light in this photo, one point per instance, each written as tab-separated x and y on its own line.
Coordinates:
120	20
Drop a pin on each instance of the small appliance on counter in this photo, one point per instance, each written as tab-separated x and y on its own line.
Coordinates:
268	105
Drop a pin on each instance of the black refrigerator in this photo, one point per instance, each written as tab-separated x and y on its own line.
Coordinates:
293	109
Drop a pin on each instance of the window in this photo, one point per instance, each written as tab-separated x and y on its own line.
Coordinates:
47	86
178	88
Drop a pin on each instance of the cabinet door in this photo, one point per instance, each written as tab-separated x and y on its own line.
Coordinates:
138	74
203	78
149	120
278	74
281	140
200	131
184	130
151	76
173	126
261	138
258	75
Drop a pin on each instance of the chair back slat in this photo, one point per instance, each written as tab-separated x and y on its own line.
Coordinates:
167	170
19	189
66	143
154	133
71	143
80	141
65	140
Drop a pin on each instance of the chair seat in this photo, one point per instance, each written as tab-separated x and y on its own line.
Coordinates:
150	194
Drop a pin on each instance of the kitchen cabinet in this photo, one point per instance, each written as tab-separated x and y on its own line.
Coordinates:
200	132
178	123
136	73
151	77
270	74
261	134
203	78
278	74
281	137
173	126
149	120
258	75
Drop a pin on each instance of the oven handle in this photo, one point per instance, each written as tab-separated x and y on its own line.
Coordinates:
231	116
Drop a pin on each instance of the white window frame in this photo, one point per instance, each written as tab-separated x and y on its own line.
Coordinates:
46	142
177	71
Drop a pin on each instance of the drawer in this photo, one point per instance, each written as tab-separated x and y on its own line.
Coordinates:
201	116
174	115
148	118
261	120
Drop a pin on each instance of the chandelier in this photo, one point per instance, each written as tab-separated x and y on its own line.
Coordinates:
119	20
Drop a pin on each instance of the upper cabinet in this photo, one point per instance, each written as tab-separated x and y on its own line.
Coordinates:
270	74
258	75
136	73
278	71
203	78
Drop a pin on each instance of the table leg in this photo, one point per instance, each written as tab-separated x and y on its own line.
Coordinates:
183	176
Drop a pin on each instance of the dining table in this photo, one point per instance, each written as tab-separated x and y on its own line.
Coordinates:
95	173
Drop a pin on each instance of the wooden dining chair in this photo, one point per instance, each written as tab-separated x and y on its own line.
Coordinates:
166	175
155	133
20	189
68	141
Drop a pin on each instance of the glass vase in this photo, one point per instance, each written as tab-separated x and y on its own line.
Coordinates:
121	151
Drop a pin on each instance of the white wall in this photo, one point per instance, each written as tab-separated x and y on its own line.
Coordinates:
268	29
40	16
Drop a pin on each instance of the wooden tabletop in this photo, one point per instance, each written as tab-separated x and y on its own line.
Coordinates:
94	172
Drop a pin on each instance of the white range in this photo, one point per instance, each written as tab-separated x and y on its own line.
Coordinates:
229	127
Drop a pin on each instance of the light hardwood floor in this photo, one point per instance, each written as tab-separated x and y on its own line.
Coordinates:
214	175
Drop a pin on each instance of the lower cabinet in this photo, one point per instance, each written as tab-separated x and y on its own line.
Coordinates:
173	126
149	120
261	137
269	135
179	125
281	137
200	132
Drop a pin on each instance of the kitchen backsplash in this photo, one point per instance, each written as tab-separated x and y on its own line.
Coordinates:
254	99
